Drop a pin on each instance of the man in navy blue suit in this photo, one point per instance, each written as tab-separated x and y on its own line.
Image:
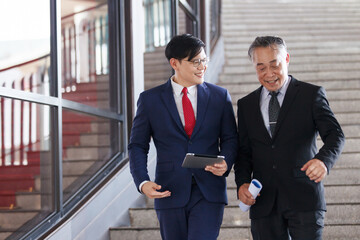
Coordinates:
185	115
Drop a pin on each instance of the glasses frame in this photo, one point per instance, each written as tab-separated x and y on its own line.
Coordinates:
196	62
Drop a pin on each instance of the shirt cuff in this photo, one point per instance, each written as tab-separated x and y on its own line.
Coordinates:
141	184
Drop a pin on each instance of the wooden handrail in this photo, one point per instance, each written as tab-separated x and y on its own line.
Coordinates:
25	63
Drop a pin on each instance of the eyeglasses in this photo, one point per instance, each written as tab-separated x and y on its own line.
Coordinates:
197	62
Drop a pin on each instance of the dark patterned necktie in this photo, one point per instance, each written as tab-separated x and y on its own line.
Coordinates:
189	115
274	108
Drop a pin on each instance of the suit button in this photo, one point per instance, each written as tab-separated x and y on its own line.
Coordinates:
274	167
272	146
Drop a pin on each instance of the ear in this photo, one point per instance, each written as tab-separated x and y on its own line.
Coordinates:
173	63
287	58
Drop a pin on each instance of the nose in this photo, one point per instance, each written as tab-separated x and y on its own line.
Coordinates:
269	72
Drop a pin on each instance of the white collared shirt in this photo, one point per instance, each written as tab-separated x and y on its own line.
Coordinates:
265	99
192	95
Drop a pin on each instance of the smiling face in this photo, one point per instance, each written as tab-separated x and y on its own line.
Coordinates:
185	73
271	66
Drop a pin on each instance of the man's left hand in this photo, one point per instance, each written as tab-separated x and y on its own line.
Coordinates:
217	169
315	169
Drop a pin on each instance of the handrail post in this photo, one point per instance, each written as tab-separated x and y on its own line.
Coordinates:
22	125
12	155
2	131
30	114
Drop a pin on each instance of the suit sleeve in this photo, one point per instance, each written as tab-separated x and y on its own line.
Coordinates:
329	130
243	167
228	137
139	144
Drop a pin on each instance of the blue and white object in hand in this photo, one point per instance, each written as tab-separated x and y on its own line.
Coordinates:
254	188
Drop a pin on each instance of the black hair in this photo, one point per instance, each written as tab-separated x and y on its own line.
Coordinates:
266	41
182	46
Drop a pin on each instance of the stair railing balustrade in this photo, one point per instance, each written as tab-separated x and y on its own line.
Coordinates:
84	46
19	130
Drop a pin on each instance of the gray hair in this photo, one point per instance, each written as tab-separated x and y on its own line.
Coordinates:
267	41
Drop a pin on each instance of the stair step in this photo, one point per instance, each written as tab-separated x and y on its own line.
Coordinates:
352	144
4	233
333	194
348	160
69	116
76	167
131	233
350	118
97	126
337	176
92	86
343	213
28	200
7	199
333	232
86	153
86	95
16	182
95	139
20	169
15	218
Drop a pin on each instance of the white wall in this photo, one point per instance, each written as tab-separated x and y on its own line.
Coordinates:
138	32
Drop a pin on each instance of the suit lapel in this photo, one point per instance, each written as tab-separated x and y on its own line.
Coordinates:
167	96
290	94
202	103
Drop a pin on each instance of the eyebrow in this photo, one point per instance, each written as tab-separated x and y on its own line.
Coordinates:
259	64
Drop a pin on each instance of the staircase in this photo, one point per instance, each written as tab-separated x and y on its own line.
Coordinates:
324	46
323	42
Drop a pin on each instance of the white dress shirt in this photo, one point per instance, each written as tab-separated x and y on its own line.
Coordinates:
177	92
192	95
265	99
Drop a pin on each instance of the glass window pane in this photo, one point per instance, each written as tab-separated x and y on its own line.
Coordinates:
88	143
157	69
26	184
185	24
85	53
25	45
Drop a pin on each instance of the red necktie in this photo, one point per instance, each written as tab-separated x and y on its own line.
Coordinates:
189	115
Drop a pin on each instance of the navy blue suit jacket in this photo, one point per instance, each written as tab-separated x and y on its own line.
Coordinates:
214	133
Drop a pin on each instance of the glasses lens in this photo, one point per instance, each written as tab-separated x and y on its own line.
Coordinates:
197	62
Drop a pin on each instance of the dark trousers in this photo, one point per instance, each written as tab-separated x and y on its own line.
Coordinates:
289	224
198	220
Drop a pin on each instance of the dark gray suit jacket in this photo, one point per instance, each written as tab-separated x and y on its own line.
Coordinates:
276	162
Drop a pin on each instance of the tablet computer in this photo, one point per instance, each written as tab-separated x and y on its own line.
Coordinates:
193	160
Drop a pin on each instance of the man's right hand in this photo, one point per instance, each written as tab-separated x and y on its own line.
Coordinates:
245	196
150	190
